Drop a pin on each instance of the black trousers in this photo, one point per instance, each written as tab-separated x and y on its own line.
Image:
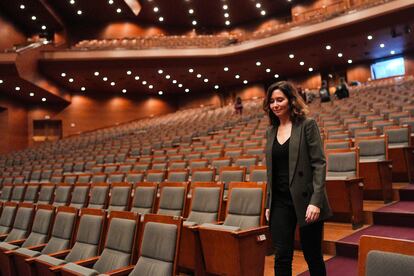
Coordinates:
282	228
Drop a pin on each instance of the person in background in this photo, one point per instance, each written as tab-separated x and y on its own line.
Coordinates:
324	92
238	106
342	89
296	193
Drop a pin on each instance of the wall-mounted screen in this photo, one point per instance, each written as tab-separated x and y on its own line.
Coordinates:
388	68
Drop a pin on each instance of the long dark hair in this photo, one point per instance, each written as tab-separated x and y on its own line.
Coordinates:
297	107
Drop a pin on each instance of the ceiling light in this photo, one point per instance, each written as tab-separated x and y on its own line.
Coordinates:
144	82
112	83
17	88
301	63
369	37
160	92
71	80
205	80
180	85
225	7
43	99
187	90
237	76
349	61
263	12
198	75
340	54
258	63
43	27
22	7
276	76
191	70
136	77
31	94
328	47
392	52
268	70
34	18
291	56
226	69
83	88
160	18
258	5
72	2
216	86
226	15
96	73
1	81
63	75
174	81
79	12
156	9
110	2
118	10
194	22
245	81
160	71
227	22
150	86
190	11
129	72
167	77
310	69
124	90
382	45
104	78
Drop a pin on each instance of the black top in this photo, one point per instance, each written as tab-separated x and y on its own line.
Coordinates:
280	172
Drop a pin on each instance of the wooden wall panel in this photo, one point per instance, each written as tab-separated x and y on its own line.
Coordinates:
360	72
14	36
409	64
186	101
313	81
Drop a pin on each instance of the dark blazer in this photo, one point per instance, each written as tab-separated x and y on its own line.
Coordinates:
307	167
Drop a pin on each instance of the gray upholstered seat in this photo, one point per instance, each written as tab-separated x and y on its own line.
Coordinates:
203	175
341	165
116	178
178	176
198	163
99	195
157	250
98	178
45	176
120	196
155	176
31	193
398	137
21	224
79	196
143	199
220	163
7	218
380	263
56	179
6	193
134	177
125	168
371	150
35	176
45	194
258	175
62	194
84	178
337	145
205	205
246	162
18	193
232	174
117	251
159	165
70	179
172	201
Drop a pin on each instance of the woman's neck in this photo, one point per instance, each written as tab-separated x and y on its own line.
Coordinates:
285	120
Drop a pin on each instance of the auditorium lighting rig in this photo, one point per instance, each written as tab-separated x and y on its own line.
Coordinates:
79	12
190	70
34	18
258	6
124	90
129	72
136	78
245	82
160	92
301	63
43	27
71	80
72	2
258	63
110	2
237	76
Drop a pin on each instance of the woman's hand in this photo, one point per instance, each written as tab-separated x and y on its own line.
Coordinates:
267	214
312	213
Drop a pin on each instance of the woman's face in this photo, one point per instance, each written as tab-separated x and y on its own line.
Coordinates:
279	103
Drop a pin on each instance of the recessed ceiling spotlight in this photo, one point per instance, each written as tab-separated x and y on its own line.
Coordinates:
190	11
328	47
129	72
268	70
174	81
160	18
79	12
216	86
71	80
72	2
144	83
1	81
291	56
118	10
63	75
349	61
34	18
43	27
136	77
258	63
245	82
110	2
187	90
22	7
198	75
17	88
226	15
160	71
167	77
156	9
180	85
258	5
150	86
194	22
104	78
43	99
31	94
124	90
276	76
225	7
191	70
340	54
226	69
112	83
205	80
160	92
83	88
263	12
382	45
310	69
237	76
227	22
369	37
392	52
96	73
301	63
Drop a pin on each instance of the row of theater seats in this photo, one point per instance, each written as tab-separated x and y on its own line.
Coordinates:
48	240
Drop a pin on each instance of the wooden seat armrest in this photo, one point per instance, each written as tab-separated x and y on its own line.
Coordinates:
37	247
56	269
3	237
252	231
17	242
60	254
87	262
121	271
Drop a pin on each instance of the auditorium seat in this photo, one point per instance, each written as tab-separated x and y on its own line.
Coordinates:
116	177
156	176
119	249
62	195
22	223
232	174
8	214
18	193
177	175
143	201
203	175
99	196
80	194
32	193
134	177
46	194
6	192
173	197
120	197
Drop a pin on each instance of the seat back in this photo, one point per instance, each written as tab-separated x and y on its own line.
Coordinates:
203	175
46	194
62	194
84	179
206	202
172	198
258	174
70	179
232	174
6	192
372	149
245	205
7	217
31	194
156	176
120	197
246	162
89	235
380	263
99	196
337	144
80	195
63	230
198	163
98	178
120	240
22	222
144	197
116	177
134	177
398	136
177	175
342	164
159	246
41	227
18	193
